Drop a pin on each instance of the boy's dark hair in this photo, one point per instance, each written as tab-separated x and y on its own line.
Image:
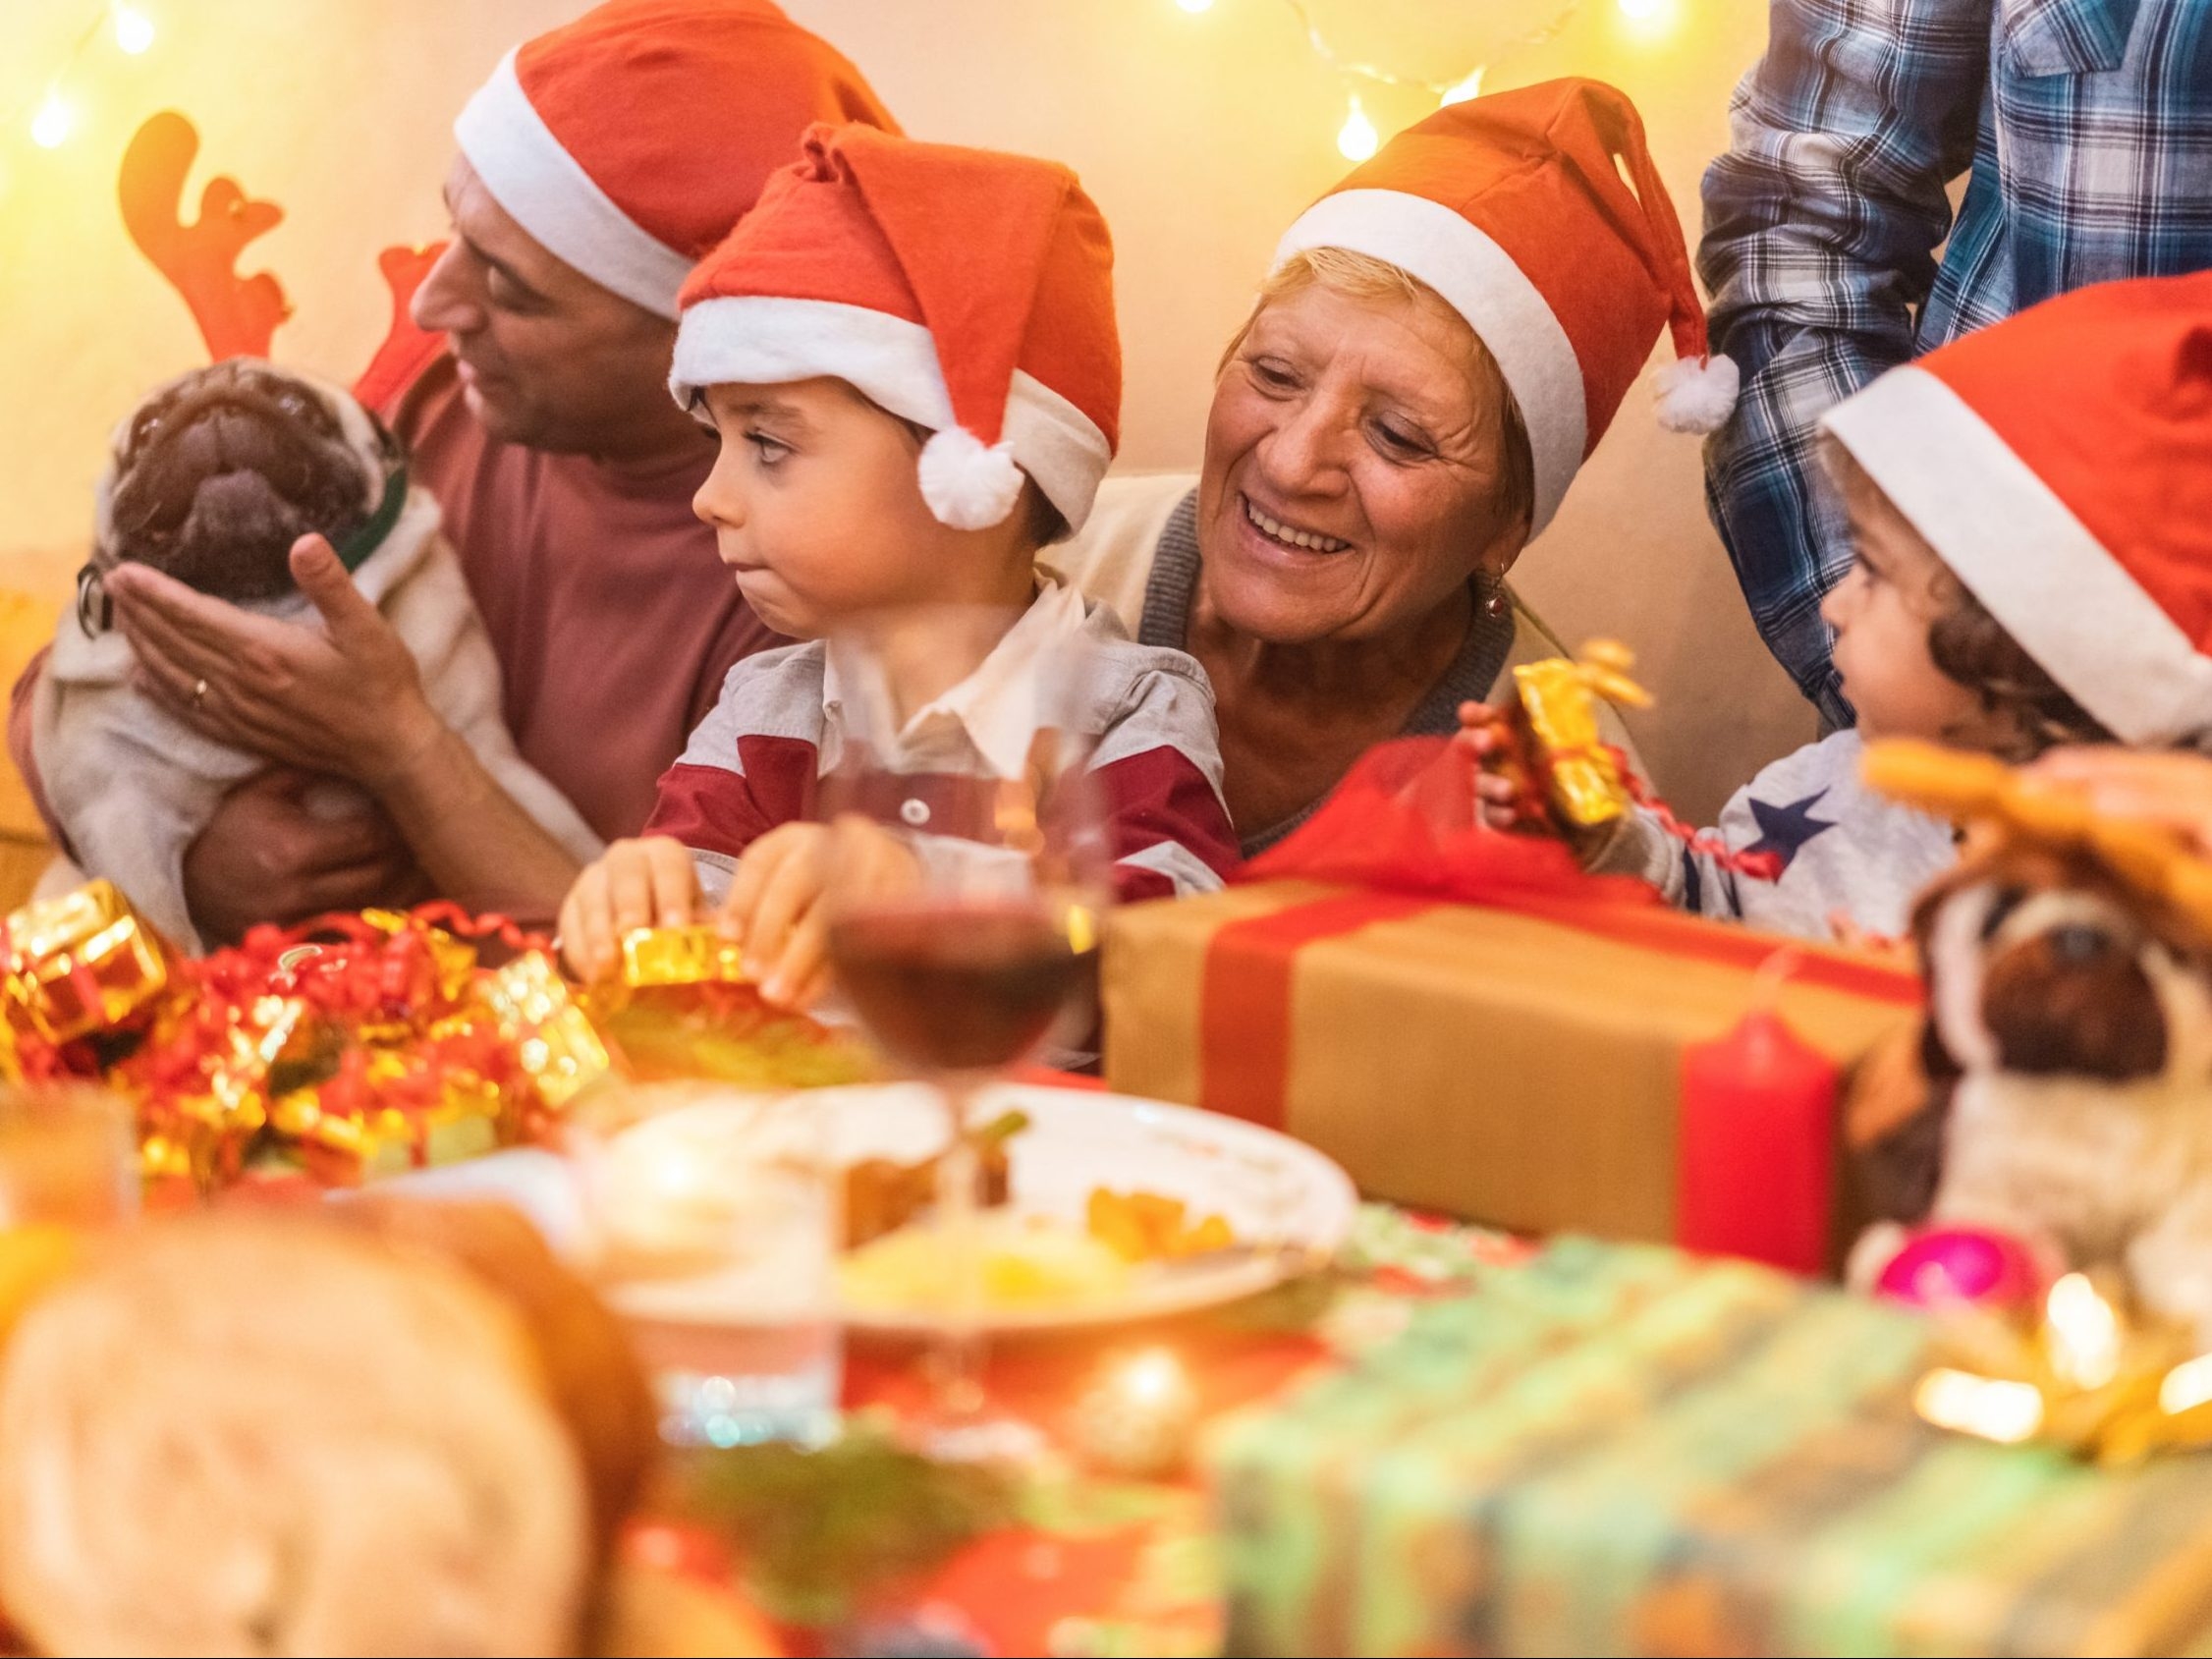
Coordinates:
1046	522
1971	647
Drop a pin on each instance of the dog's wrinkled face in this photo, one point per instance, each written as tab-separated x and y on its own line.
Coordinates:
216	475
2042	964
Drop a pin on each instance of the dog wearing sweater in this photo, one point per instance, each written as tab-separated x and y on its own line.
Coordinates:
212	480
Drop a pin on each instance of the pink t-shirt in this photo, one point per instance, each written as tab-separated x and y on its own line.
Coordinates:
612	619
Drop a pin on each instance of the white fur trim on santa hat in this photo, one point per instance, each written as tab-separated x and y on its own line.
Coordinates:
550	196
1479	279
763	341
1694	396
2010	538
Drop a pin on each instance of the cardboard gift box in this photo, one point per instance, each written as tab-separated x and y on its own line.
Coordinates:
1516	1067
1621	1449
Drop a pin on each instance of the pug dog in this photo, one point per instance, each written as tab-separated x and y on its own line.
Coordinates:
2066	1064
211	478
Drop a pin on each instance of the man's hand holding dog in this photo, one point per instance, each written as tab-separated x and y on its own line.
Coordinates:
346	698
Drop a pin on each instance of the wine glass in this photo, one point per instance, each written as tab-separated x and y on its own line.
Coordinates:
68	1158
966	880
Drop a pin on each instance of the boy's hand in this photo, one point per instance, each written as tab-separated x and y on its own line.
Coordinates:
776	907
1482	729
1853	937
648	883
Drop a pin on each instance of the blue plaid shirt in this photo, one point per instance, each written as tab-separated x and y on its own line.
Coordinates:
2084	129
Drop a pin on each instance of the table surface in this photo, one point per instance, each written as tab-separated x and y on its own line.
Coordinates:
1101	1564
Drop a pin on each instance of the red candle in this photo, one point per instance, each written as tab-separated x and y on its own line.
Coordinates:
1757	1153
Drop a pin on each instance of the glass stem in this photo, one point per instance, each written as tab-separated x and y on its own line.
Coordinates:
960	1206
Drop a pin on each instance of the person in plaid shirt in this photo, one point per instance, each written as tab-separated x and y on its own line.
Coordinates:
2083	129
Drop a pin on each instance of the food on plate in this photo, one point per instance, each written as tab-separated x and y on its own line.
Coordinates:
883	1194
402	1429
1028	1263
1148	1227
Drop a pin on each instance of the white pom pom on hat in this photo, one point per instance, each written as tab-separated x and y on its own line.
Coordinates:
968	483
1696	396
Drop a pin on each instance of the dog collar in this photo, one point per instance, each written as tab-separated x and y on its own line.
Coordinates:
93	612
354	550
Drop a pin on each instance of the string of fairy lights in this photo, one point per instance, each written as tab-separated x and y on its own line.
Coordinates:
51	115
1358	139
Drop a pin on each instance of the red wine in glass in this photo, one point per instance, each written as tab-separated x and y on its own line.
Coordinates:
956	987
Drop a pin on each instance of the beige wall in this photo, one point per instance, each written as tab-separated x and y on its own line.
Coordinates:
1199	135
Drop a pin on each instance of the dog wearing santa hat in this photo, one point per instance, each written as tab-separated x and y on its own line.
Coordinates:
211	478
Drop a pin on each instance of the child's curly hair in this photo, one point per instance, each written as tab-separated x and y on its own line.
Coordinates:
1970	647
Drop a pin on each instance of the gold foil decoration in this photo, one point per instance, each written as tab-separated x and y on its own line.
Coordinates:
80	964
2085	1377
680	956
555	1040
1560	702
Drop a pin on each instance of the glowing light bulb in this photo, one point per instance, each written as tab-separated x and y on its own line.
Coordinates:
1356	138
133	30
53	122
1194	7
1471	88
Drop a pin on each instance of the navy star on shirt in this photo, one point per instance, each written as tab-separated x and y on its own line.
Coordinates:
1785	830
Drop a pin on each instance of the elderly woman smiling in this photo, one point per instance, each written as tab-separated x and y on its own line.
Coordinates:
1441	343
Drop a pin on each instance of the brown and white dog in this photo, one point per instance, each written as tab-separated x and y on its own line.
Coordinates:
210	479
2068	1062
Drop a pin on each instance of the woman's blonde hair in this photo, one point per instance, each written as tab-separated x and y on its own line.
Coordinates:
1362	276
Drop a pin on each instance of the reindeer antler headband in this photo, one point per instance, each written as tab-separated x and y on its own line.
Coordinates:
1982	791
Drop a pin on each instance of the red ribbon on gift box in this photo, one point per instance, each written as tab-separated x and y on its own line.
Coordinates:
1402	834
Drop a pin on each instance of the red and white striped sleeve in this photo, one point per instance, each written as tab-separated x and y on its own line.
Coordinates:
1157	768
750	764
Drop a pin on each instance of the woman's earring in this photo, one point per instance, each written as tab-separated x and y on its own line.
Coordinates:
1499	604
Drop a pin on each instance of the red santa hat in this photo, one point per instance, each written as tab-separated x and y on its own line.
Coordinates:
966	291
1513	207
629	140
2061	464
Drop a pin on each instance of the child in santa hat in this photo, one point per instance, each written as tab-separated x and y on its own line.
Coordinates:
2032	510
910	353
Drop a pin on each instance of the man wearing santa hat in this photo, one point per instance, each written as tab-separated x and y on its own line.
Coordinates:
598	163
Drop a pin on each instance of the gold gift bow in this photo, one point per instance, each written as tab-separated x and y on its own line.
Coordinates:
2084	1377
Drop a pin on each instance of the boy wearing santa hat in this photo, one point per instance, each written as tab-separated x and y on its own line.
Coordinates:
2031	510
910	353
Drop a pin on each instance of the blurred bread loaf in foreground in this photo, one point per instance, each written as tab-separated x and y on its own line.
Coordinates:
390	1430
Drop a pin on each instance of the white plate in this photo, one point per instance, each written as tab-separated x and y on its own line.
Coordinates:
1266	1186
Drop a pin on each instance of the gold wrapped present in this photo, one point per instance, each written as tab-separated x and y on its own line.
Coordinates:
80	964
680	956
1560	702
555	1040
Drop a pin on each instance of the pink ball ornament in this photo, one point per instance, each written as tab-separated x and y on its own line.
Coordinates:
1942	1268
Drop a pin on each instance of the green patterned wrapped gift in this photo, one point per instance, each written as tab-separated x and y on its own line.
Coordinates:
1628	1449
